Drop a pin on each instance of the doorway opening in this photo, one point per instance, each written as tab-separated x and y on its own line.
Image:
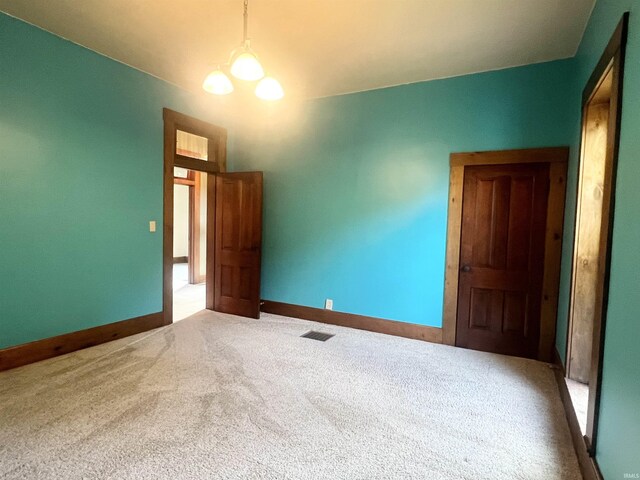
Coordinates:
189	242
601	107
194	151
212	232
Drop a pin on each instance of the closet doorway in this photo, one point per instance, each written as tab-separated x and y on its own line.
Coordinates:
601	107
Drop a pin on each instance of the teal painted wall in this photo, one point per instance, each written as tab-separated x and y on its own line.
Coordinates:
80	178
618	448
356	186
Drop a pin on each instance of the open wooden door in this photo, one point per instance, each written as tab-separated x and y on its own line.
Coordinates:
237	243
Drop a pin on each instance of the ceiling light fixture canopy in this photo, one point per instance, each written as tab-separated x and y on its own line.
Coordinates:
244	66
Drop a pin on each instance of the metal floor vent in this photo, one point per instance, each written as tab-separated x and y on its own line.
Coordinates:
314	335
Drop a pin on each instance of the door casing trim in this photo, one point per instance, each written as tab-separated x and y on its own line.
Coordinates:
557	158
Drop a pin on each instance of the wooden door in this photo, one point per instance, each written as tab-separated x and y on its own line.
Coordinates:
504	213
238	243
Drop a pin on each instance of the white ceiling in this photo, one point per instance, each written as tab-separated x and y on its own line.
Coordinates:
318	47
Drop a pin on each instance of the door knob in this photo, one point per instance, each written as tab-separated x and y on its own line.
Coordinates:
466	268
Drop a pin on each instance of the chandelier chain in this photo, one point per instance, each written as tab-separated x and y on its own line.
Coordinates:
246	20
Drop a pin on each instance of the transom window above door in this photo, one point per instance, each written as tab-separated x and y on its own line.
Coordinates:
190	145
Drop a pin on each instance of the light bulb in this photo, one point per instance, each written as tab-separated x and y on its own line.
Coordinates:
269	89
247	67
217	83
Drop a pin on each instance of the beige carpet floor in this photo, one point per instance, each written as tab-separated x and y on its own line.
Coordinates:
222	397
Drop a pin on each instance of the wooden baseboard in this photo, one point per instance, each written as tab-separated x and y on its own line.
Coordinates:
588	465
361	322
180	259
26	353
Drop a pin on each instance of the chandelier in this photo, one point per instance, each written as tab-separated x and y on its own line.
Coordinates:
243	64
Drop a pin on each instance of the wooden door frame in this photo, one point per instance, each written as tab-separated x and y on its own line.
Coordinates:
217	162
612	60
557	158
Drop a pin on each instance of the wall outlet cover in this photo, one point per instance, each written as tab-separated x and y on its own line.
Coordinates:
328	304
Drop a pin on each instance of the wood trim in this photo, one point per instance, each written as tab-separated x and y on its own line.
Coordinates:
211	230
613	58
194	230
167	230
183	181
195	164
180	259
574	252
617	44
552	259
26	353
557	157
221	151
193	125
217	150
588	465
502	157
361	322
454	230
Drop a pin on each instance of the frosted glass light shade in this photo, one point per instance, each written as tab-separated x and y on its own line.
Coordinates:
269	89
217	83
247	67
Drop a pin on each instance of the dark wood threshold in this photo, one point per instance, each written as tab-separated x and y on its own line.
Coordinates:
180	259
361	322
588	465
26	353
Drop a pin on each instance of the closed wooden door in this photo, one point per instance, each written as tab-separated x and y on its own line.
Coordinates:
504	213
238	243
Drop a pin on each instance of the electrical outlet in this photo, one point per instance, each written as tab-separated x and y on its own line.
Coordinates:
328	304
152	226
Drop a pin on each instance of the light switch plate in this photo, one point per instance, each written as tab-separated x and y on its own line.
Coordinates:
152	226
